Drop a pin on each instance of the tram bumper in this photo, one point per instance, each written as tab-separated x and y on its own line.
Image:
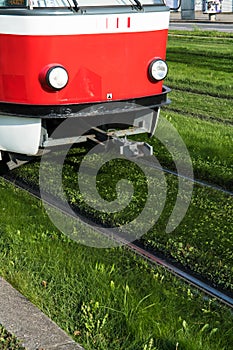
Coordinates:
27	128
19	134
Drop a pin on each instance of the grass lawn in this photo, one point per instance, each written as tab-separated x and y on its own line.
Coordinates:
104	298
201	79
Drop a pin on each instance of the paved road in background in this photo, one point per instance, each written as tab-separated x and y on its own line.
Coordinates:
221	27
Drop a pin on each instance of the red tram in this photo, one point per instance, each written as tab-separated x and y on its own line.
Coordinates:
58	57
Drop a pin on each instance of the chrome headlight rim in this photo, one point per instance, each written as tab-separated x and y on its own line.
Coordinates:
52	75
153	70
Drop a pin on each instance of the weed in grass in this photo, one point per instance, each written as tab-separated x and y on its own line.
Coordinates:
9	341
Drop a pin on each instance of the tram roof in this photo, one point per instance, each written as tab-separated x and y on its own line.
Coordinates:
68	3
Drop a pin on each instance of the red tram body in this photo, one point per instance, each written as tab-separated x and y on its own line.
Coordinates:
58	56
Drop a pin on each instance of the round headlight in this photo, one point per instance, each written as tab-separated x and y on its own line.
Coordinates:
57	77
158	69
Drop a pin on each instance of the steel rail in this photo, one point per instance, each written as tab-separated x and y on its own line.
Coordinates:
198	92
195	181
134	247
187	277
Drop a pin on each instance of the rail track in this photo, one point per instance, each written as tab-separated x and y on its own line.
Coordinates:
151	256
200	116
194	181
197	91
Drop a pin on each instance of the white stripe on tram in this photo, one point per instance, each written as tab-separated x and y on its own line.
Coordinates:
83	24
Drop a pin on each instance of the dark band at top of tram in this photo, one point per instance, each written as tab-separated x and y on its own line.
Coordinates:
71	4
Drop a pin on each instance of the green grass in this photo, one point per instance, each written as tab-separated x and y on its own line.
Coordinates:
105	299
8	341
203	240
205	34
201	65
201	106
192	243
201	79
209	145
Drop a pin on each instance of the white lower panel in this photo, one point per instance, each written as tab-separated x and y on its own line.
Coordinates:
20	135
